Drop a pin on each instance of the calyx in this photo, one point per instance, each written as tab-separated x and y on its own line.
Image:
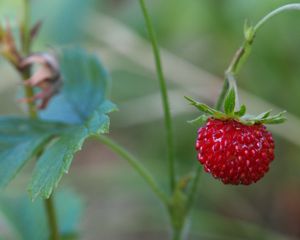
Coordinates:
230	113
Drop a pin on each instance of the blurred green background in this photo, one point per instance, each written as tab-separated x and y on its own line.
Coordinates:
199	38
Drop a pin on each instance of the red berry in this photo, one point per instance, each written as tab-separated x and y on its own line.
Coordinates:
233	152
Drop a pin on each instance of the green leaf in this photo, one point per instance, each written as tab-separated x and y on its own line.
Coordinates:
24	216
229	103
241	112
82	114
56	160
20	140
86	85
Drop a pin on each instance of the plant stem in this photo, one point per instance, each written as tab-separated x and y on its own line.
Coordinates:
164	94
244	51
136	165
33	113
26	51
287	7
177	235
52	220
29	93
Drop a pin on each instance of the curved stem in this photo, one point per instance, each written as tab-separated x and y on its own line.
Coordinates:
244	51
33	113
288	7
136	165
164	94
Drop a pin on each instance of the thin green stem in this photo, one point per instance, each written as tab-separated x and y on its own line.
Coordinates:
244	51
52	219
136	165
288	7
29	93
164	94
33	113
26	49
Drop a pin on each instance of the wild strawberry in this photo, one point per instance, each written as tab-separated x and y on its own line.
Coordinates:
232	146
233	152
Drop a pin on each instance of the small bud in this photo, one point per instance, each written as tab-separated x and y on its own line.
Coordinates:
248	32
47	77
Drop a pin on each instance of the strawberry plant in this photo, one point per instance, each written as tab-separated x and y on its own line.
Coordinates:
66	94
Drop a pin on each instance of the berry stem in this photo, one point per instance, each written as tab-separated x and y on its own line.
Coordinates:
244	51
135	164
164	94
33	113
288	7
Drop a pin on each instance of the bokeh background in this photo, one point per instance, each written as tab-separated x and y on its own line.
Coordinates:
198	40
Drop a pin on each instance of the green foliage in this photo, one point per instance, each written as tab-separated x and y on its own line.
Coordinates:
229	103
249	31
29	220
241	112
240	115
83	97
57	158
199	120
86	85
206	109
264	118
20	140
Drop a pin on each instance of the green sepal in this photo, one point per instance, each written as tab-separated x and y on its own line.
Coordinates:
202	119
278	118
240	116
229	103
241	112
264	118
206	109
264	115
